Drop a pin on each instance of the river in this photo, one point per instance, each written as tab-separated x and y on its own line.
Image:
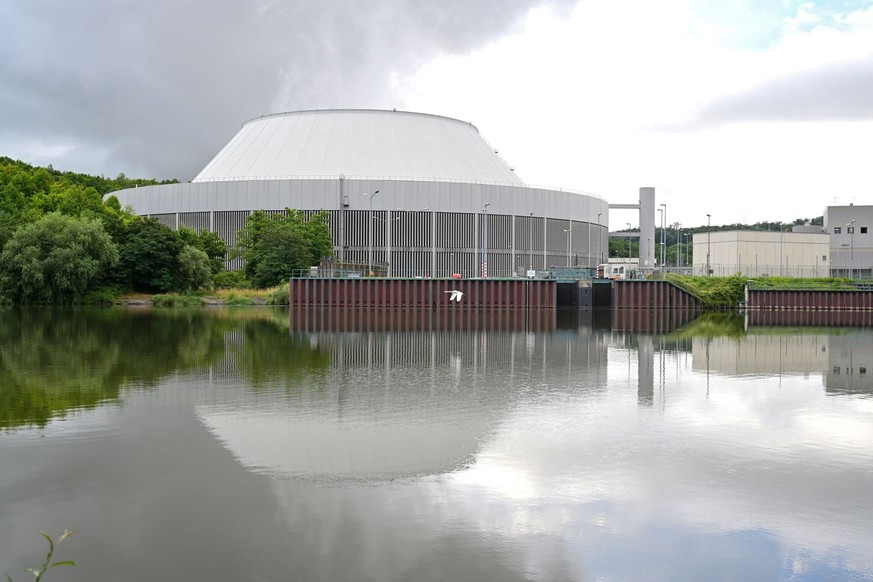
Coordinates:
263	444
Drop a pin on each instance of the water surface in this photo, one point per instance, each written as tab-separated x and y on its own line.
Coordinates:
258	444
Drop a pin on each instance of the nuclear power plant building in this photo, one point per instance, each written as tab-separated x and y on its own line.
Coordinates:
410	194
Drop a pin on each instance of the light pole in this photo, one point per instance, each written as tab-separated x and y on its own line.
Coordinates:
660	220
851	249
569	232
687	256
484	268
599	256
708	231
530	242
370	229
781	249
664	237
628	249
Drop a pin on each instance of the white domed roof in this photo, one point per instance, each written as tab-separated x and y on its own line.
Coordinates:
357	143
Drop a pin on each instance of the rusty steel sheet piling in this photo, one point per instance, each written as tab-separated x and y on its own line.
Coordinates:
423	293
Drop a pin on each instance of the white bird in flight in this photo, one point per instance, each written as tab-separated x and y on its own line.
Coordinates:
456	295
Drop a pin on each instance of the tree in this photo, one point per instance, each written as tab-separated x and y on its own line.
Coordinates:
274	245
56	259
210	243
194	271
150	257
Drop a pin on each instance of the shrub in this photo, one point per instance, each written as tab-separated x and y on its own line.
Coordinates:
176	300
230	280
234	299
279	295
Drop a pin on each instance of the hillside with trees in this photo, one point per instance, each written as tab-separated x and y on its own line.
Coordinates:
62	243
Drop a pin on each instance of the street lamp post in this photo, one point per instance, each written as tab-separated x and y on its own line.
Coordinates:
569	232
664	237
660	220
851	249
708	231
484	266
370	229
687	256
530	242
628	249
599	256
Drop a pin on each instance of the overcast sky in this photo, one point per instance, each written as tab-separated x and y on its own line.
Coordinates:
747	110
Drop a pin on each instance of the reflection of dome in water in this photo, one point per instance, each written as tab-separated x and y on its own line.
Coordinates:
391	404
281	442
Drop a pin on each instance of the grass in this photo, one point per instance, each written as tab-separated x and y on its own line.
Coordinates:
230	297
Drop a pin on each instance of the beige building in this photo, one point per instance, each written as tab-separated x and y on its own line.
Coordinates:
762	253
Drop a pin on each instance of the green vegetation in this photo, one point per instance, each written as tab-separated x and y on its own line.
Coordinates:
729	292
176	300
61	243
713	292
786	283
273	245
57	259
54	362
53	545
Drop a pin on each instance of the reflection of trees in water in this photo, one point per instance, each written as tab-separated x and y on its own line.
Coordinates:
264	353
52	361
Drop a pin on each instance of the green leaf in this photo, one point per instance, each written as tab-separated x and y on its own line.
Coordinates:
63	563
48	538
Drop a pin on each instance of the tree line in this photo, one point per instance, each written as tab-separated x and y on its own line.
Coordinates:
679	243
62	243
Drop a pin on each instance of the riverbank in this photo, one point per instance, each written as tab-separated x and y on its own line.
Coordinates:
221	297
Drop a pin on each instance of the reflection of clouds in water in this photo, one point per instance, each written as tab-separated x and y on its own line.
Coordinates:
756	458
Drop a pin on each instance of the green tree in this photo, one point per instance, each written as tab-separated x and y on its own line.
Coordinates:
150	257
210	243
274	245
194	271
56	259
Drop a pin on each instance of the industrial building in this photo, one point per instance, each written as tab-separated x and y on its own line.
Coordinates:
762	253
408	194
851	240
842	247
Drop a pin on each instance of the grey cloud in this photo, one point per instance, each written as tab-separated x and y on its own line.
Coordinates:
162	85
840	92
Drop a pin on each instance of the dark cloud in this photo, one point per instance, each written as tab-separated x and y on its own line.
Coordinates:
162	85
838	92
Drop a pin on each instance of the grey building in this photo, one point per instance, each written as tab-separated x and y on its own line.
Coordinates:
410	193
851	240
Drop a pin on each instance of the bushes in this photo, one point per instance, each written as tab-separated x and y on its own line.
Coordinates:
280	295
230	280
57	259
176	300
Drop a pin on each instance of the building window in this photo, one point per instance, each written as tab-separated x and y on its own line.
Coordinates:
838	230
850	230
824	258
863	230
